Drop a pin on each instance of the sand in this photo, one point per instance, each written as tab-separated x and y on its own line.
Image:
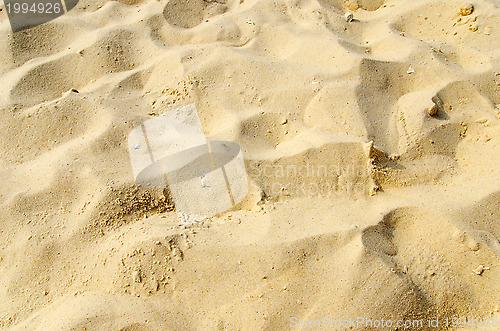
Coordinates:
371	142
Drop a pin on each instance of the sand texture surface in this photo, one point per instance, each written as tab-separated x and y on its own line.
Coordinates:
371	143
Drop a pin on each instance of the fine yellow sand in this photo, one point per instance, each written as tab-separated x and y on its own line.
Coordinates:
372	148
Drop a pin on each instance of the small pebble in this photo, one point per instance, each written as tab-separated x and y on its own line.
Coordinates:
348	16
394	157
466	9
479	270
433	110
410	70
137	146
